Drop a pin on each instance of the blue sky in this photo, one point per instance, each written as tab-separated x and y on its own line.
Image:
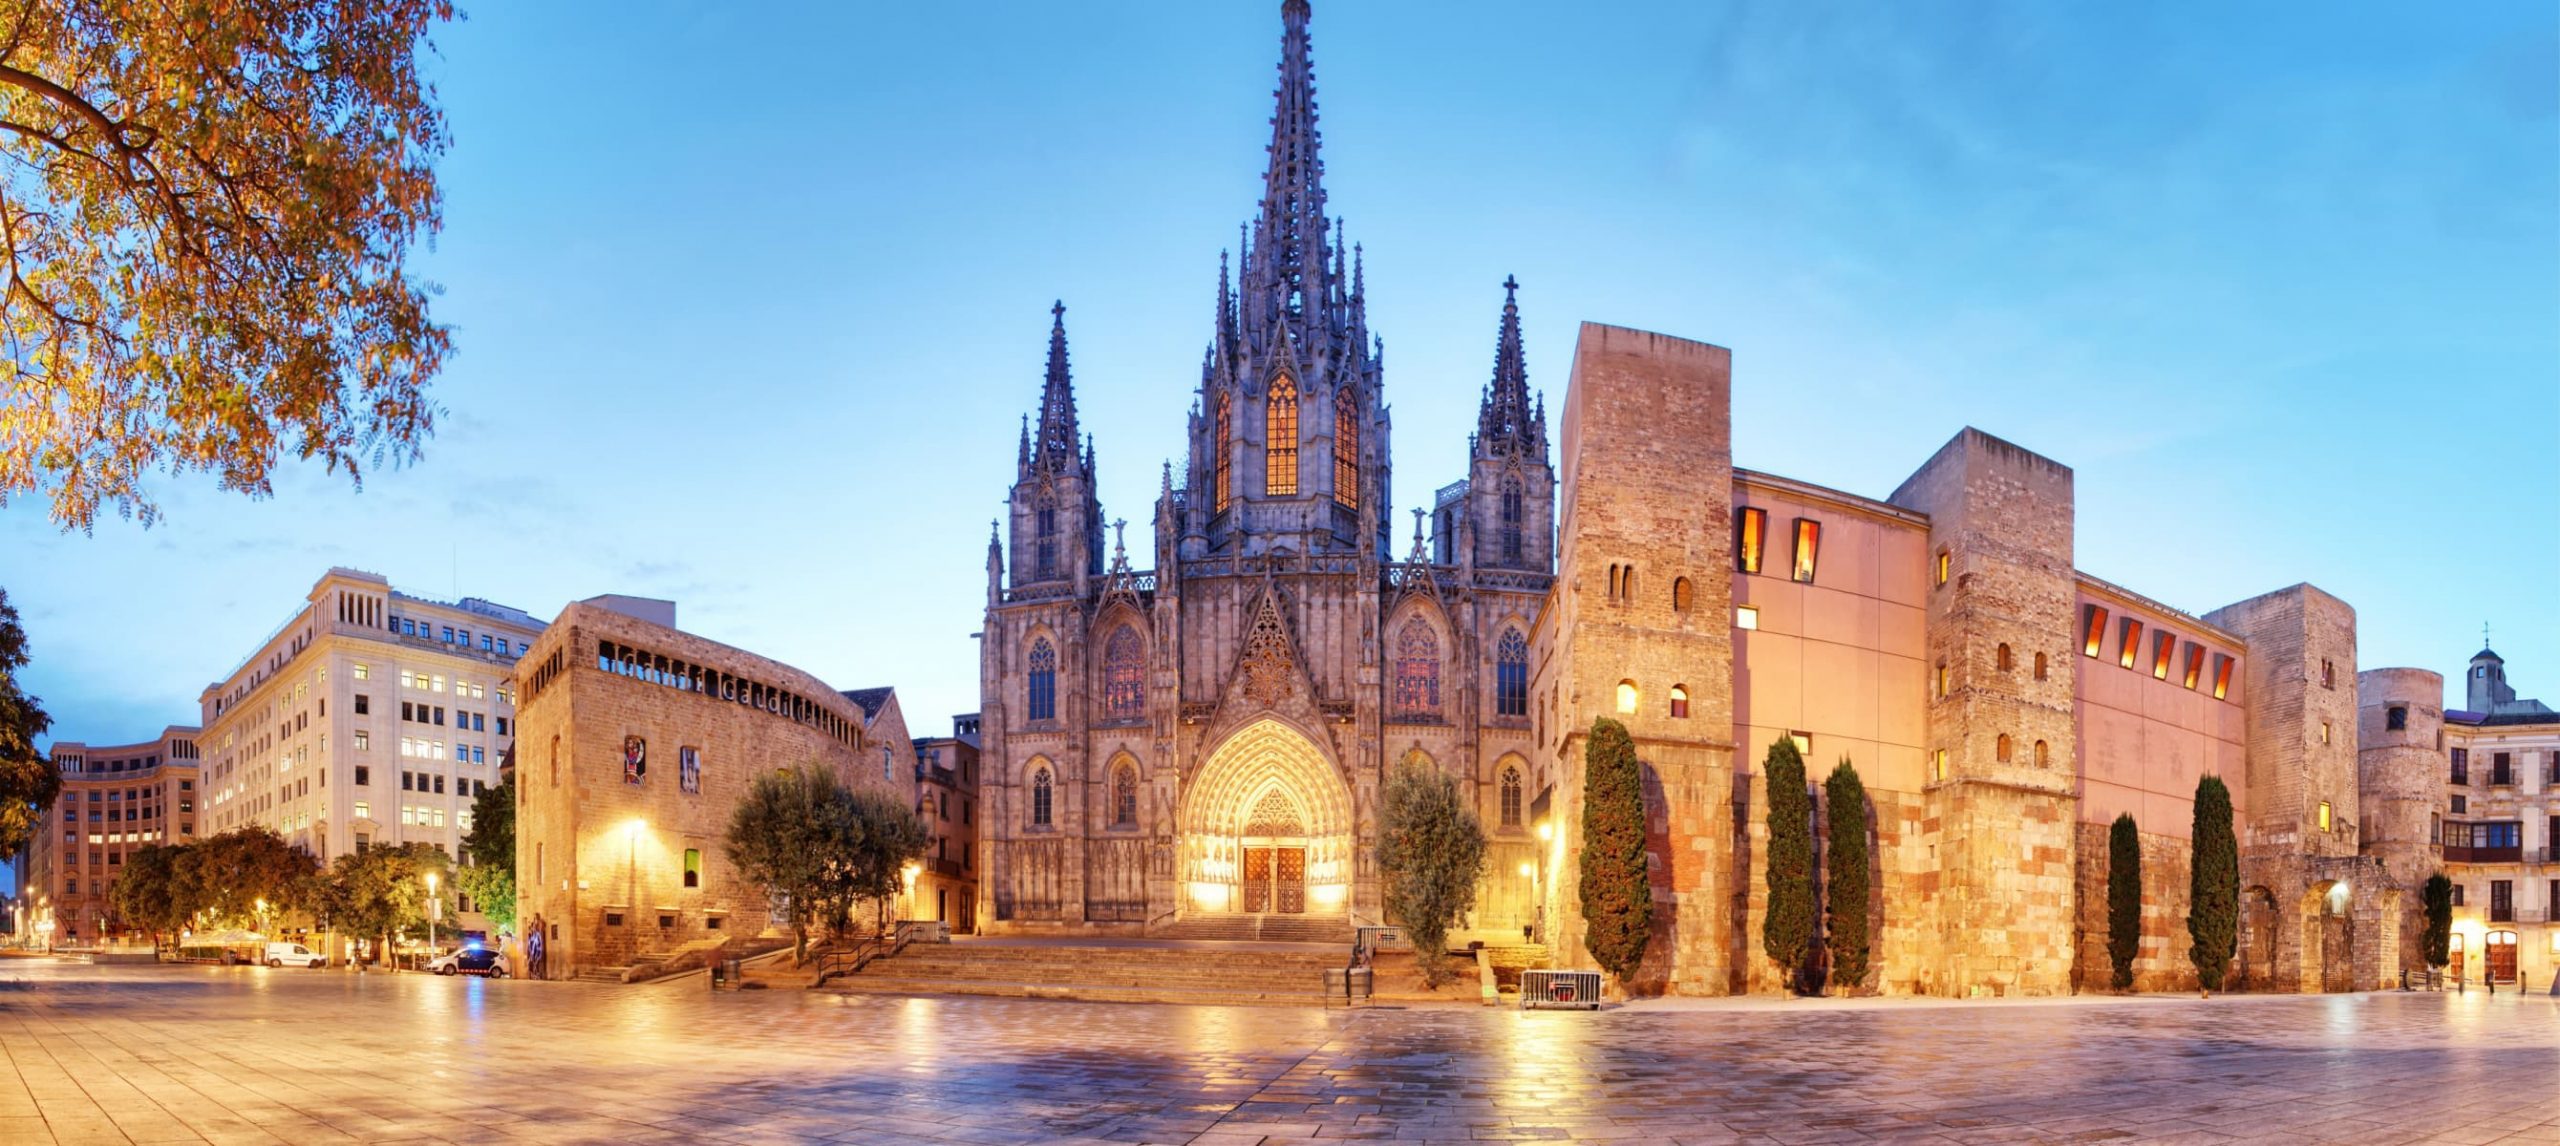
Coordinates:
748	306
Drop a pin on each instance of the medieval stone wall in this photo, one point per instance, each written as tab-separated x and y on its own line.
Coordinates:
2162	963
2401	786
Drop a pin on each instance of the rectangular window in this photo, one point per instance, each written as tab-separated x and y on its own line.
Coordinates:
408	815
2462	766
1751	537
1808	541
2163	645
2324	815
2501	769
2222	676
364	776
1946	562
692	867
1942	764
2129	642
364	740
689	771
363	671
364	810
364	705
2502	901
2195	664
1746	616
2093	629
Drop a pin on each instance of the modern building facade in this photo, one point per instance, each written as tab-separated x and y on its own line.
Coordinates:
639	741
115	798
370	717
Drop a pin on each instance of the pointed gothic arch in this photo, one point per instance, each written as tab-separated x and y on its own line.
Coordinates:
1415	689
1040	684
1124	791
1346	447
1124	674
1228	807
1280	440
1511	673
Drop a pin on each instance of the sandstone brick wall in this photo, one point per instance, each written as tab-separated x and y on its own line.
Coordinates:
588	841
1647	488
2167	871
2401	786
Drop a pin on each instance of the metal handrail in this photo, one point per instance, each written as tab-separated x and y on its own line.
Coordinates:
850	960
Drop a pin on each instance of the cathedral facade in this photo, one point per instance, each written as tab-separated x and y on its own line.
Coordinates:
1206	738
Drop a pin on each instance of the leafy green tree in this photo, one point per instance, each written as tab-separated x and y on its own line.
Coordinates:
2124	898
208	217
889	835
248	876
1850	871
1786	933
788	836
488	874
149	893
382	891
2435	942
28	783
2213	903
1617	889
1430	853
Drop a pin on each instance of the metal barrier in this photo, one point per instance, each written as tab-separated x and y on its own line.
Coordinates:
848	960
1542	990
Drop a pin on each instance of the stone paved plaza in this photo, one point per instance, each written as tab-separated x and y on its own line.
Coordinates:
103	1054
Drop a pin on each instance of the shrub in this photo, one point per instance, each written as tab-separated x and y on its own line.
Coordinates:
1430	853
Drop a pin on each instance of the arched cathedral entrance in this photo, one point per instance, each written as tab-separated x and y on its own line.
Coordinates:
1266	827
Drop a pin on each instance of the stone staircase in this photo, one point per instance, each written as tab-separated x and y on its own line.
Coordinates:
613	975
1260	974
1239	926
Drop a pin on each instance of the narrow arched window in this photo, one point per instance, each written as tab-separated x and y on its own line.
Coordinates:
1346	447
1045	532
2044	755
1280	441
1511	797
1680	702
1681	594
1514	511
1124	670
1417	691
1511	675
1124	796
1042	799
2006	661
2001	747
1627	696
1224	465
1043	664
2039	666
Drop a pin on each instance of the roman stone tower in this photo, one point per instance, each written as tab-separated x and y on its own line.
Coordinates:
2400	788
1641	615
2001	598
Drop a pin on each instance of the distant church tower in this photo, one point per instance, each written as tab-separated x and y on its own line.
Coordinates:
1057	515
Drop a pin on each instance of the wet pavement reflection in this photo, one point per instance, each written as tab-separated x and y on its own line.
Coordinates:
104	1054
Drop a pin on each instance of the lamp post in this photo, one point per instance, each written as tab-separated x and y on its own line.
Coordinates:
433	904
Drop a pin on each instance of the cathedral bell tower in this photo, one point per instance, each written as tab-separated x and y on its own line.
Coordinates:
1057	515
1510	485
1289	437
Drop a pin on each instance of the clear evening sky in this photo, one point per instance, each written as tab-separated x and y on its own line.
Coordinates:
748	305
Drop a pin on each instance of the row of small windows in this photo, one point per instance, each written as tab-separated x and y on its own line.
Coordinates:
2503	769
1751	542
447	634
2164	646
641	665
1280	454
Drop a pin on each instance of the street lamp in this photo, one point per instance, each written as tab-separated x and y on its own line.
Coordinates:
432	905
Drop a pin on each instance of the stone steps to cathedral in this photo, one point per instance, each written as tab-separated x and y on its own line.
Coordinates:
1239	926
1162	973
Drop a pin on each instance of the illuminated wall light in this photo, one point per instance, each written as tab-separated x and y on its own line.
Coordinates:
1328	894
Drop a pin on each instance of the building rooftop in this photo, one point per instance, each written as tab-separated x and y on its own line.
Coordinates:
870	699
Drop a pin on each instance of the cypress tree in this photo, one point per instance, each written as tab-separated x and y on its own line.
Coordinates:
1787	931
1617	892
2124	898
1848	868
2435	944
2213	905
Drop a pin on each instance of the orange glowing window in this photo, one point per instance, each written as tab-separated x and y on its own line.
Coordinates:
1942	763
2129	644
2163	645
1808	541
2221	677
1751	538
1224	445
2195	664
1346	455
2093	629
1280	438
1944	561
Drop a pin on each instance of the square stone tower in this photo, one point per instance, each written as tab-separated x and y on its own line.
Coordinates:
1999	811
1641	614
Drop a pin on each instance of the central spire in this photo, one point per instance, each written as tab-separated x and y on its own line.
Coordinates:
1288	268
1057	444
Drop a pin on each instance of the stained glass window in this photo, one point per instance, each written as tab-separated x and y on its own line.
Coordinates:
1346	448
1417	670
1124	686
1044	680
1511	797
1226	425
1511	675
1124	796
1041	798
1280	435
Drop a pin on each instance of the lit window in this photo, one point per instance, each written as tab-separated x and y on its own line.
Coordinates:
1804	742
1224	445
2093	629
1346	461
363	671
1942	764
2163	645
1942	680
2195	664
1679	702
1280	472
2324	815
2221	677
1746	616
1627	697
2001	748
1946	561
2129	643
693	867
1808	541
1751	537
2324	732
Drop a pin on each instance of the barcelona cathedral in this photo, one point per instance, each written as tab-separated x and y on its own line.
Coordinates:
1194	744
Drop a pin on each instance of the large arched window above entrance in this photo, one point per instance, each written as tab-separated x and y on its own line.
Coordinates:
1511	675
1124	686
1417	689
1280	441
1124	795
1043	666
1510	796
1043	798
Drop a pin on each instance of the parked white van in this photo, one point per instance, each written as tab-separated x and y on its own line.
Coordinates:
294	955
